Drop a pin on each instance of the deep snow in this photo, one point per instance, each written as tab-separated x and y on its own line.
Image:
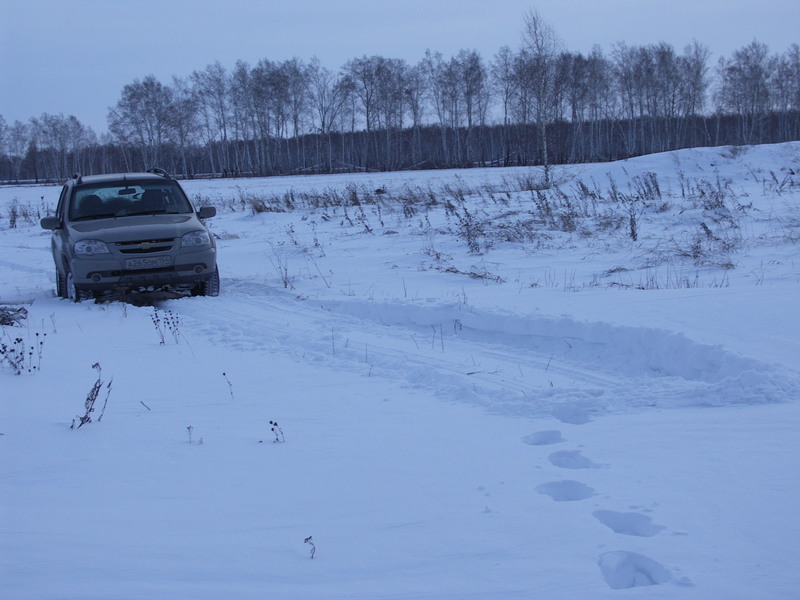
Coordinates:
571	414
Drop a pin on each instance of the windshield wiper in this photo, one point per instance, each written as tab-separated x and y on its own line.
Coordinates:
98	216
146	212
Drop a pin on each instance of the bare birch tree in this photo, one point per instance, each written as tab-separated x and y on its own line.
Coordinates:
184	121
744	87
326	97
19	138
540	49
505	86
143	116
785	86
212	92
415	92
3	136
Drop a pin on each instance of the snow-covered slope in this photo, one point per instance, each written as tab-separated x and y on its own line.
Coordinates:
482	391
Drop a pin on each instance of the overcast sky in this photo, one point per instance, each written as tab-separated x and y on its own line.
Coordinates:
75	56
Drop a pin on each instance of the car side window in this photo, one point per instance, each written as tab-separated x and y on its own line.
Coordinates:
62	199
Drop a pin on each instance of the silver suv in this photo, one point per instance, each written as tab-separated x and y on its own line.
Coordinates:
130	232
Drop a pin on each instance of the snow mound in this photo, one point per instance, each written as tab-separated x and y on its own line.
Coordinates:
572	369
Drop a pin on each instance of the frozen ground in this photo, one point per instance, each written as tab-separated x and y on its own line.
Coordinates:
482	392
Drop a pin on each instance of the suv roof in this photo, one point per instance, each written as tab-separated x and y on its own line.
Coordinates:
152	174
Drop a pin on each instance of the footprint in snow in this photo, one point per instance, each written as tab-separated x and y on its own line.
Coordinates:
625	570
543	438
566	491
629	523
573	414
572	459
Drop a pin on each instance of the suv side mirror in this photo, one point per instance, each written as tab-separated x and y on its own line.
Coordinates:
50	223
206	212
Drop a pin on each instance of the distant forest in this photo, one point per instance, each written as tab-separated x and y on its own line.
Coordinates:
535	105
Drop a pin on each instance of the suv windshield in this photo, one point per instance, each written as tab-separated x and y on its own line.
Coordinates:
126	198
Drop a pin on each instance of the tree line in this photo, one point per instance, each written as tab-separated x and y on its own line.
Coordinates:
535	105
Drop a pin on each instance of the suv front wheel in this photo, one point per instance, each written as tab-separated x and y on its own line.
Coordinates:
61	285
73	293
209	287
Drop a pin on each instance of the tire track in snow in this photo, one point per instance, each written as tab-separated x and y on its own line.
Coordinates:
13	266
259	318
513	364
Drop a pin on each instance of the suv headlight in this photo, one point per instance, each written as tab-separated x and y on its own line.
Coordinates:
91	247
196	239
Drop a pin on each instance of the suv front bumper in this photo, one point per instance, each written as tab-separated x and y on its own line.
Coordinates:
99	274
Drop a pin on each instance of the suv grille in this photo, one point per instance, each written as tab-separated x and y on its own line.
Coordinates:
146	246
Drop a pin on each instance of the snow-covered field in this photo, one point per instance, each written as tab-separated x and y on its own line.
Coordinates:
480	391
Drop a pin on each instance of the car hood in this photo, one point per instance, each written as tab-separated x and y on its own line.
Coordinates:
136	227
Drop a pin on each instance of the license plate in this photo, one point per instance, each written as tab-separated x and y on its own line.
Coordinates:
149	262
